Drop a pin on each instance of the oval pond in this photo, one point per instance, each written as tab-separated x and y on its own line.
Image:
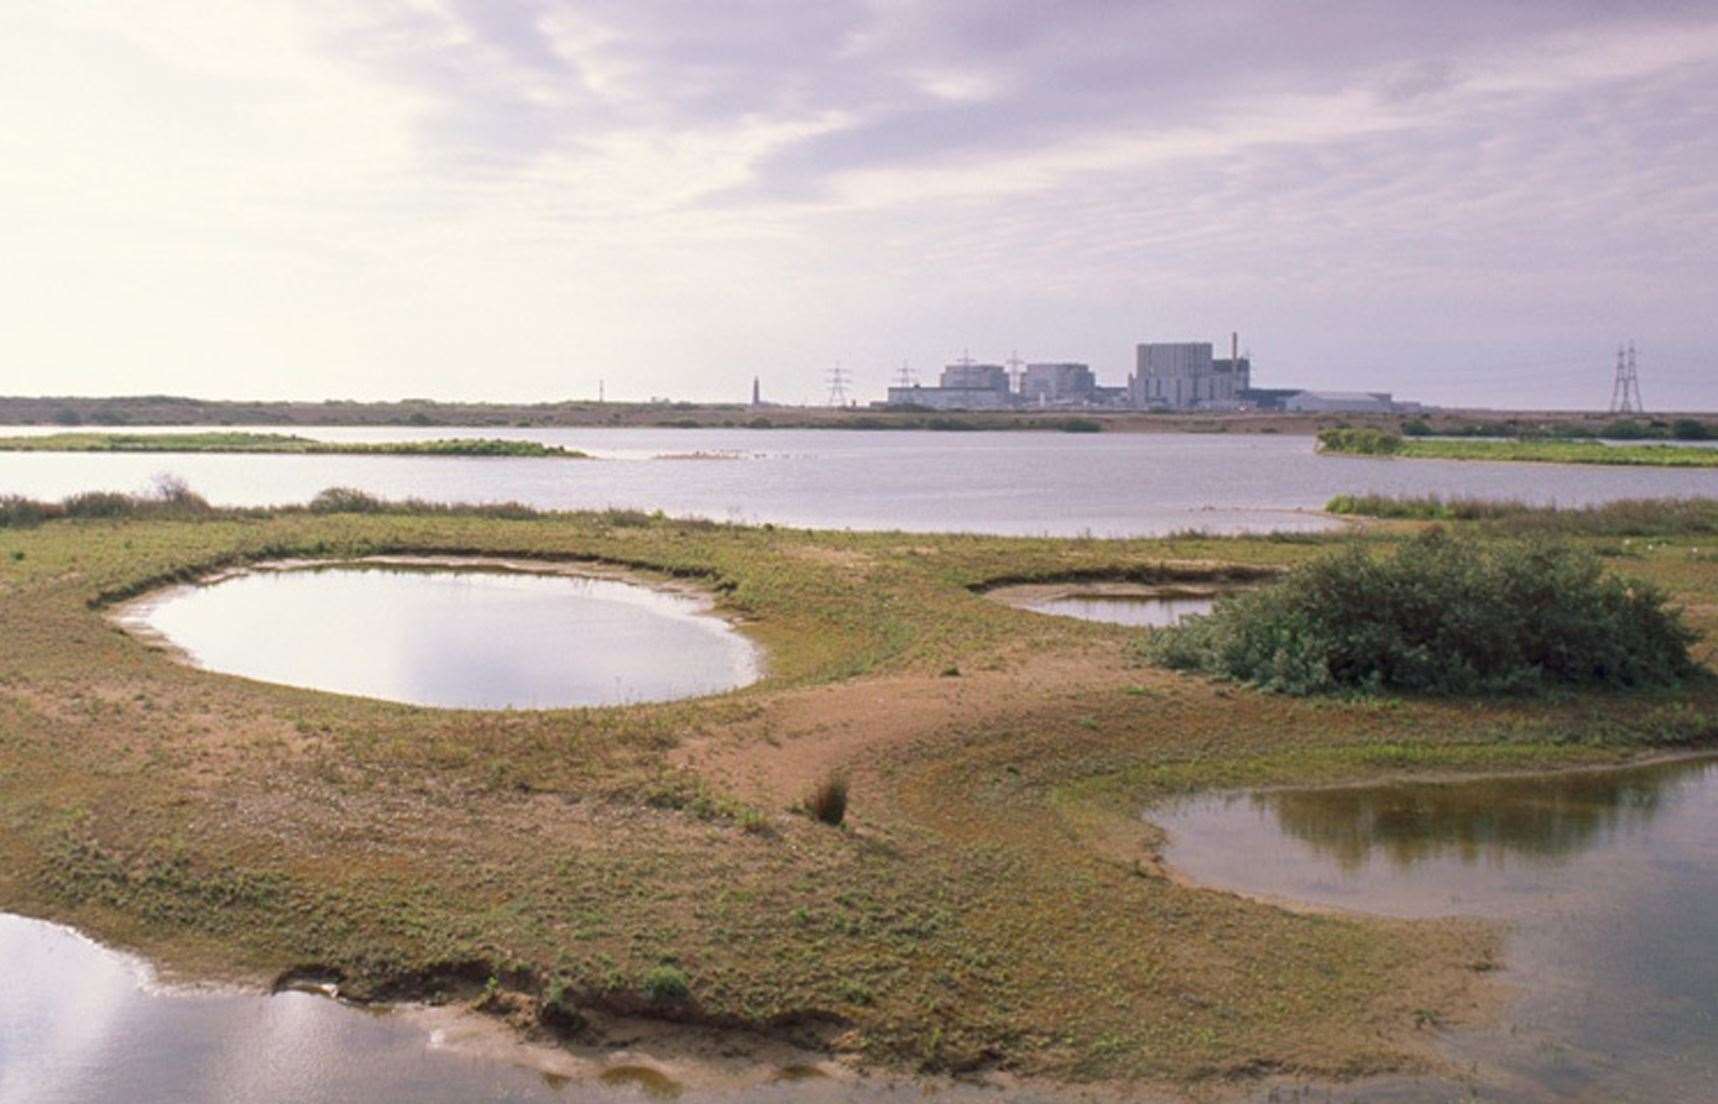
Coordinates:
464	638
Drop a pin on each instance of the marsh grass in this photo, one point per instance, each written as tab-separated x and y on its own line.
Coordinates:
979	919
1376	442
1636	517
278	443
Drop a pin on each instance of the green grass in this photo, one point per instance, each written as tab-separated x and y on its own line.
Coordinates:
981	906
1371	442
277	443
1634	517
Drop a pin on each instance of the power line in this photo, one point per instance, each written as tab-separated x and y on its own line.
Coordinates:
1625	384
839	378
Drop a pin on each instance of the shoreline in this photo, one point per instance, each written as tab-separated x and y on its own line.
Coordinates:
262	831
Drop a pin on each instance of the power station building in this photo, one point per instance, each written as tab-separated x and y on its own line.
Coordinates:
1185	376
965	385
1058	384
1181	375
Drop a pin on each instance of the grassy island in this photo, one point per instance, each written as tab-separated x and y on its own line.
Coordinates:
277	443
1373	442
989	898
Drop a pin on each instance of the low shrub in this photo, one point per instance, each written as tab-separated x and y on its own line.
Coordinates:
1442	615
1359	441
666	984
18	512
828	801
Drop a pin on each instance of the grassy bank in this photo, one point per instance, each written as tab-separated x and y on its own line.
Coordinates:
277	443
1373	442
1630	517
987	902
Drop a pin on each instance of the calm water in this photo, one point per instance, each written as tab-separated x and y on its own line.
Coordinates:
459	639
79	1023
1119	609
1009	483
1608	881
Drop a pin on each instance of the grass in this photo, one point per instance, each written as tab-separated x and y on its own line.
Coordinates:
982	907
1372	442
277	443
1635	517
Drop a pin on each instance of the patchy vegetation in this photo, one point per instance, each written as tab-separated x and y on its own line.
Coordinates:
1442	615
1629	517
990	902
1375	442
278	443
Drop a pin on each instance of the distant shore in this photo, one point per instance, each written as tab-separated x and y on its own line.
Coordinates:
1363	441
278	443
117	413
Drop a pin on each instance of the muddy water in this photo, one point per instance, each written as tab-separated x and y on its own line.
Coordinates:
1607	881
452	638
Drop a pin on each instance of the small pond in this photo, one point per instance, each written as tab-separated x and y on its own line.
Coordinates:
1607	880
1123	609
1148	605
465	637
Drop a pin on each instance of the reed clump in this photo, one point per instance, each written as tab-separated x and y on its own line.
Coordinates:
827	802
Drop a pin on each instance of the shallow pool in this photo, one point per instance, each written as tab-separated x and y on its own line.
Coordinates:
1607	880
1122	609
458	638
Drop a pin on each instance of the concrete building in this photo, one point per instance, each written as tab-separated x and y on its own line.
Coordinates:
965	375
951	398
1057	383
1185	376
1340	402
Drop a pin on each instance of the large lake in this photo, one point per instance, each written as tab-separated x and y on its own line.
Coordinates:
1008	483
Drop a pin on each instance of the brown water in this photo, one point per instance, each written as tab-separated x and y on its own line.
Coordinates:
455	638
1607	880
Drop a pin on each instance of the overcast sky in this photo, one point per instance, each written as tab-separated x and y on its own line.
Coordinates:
1468	201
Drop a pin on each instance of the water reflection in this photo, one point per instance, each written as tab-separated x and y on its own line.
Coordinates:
1607	879
1492	820
1153	611
461	639
1106	484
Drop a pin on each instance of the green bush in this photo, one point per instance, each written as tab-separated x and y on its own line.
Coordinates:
827	802
1442	615
1688	429
1362	442
666	985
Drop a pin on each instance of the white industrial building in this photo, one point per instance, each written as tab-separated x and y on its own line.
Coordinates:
1340	402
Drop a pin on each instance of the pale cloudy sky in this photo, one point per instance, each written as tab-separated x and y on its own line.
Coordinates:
1462	201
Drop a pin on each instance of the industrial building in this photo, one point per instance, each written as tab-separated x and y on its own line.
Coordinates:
1058	384
965	385
1167	376
1185	376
